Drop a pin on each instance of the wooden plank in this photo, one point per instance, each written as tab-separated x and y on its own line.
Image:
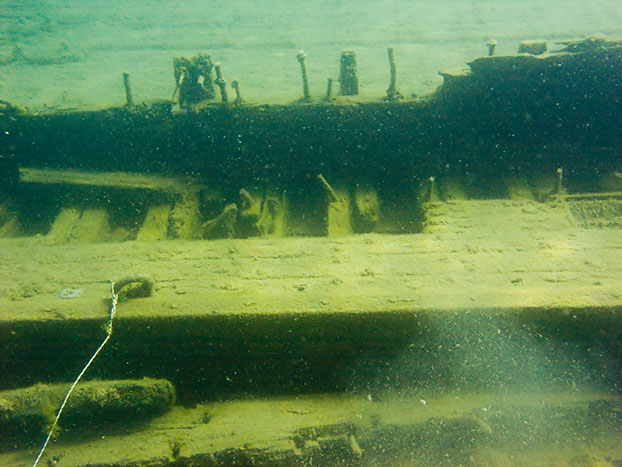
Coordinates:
595	195
407	429
504	254
367	273
117	180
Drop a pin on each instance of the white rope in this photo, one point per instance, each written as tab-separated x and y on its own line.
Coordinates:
113	311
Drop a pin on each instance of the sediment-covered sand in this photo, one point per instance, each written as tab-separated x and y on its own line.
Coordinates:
70	54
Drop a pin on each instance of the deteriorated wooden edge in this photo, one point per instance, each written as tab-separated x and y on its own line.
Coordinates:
503	254
329	429
574	268
118	180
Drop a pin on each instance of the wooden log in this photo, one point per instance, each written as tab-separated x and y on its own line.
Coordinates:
26	413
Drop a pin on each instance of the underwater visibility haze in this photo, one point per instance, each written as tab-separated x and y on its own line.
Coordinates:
310	233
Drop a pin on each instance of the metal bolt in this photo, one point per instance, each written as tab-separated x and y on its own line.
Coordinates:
392	92
221	83
330	192
430	196
302	59
235	84
491	47
329	90
128	90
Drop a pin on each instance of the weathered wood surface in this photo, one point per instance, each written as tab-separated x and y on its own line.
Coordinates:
527	255
28	413
364	299
116	180
484	429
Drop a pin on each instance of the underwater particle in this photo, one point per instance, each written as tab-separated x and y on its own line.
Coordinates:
70	293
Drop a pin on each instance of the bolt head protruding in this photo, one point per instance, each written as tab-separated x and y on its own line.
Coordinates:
492	43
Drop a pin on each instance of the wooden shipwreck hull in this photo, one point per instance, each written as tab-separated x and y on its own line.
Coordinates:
420	282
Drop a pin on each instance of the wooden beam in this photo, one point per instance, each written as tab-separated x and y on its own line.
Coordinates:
117	180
